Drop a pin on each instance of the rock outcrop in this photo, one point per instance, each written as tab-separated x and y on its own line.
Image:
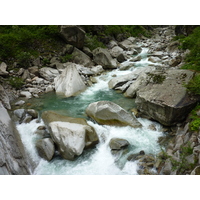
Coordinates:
13	160
69	83
164	98
73	35
109	113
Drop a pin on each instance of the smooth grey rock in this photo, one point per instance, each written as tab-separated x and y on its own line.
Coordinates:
109	113
69	83
102	57
48	73
116	51
45	148
19	103
91	138
25	94
97	69
69	137
73	35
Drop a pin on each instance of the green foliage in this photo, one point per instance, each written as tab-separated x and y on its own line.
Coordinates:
92	42
23	59
157	78
66	58
19	42
128	30
16	82
45	61
195	123
194	85
183	165
192	42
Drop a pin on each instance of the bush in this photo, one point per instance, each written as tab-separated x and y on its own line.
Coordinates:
16	82
195	119
20	42
194	85
66	58
92	42
192	42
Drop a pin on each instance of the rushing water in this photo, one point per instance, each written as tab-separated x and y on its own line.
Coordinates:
98	161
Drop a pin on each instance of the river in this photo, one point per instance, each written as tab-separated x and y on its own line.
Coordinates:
98	161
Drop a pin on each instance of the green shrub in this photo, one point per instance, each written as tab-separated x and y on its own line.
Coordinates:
16	82
195	119
23	59
194	85
15	40
92	42
192	42
66	58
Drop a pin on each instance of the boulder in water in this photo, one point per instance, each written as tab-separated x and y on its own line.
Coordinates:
91	137
69	137
118	143
45	148
69	83
109	113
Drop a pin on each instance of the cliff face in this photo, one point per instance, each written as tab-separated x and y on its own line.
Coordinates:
12	156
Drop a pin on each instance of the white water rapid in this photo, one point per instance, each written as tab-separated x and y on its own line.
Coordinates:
98	161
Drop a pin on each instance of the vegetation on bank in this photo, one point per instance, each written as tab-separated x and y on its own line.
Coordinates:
192	62
22	43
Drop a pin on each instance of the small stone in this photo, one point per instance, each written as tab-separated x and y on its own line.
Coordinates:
19	103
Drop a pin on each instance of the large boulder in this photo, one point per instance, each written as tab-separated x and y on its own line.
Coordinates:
69	83
116	51
102	57
45	148
165	98
91	137
109	113
69	137
73	35
13	159
80	57
48	73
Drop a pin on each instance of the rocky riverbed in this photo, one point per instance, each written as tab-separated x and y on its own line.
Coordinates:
157	89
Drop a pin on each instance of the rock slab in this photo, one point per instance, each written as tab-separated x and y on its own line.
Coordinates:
109	113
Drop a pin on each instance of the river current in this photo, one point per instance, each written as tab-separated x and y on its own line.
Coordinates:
98	161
